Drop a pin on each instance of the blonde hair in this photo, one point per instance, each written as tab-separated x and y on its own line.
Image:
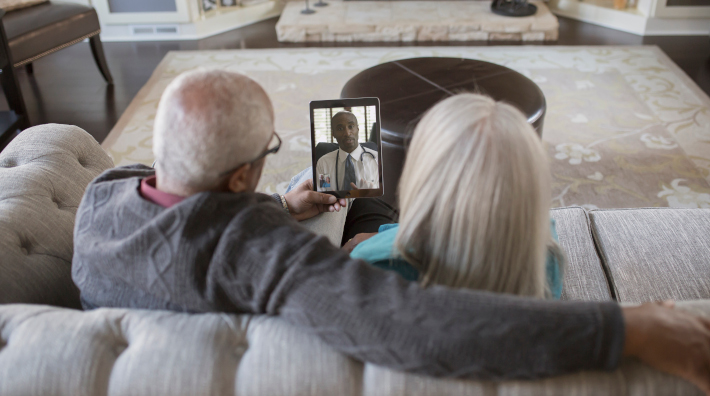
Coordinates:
474	198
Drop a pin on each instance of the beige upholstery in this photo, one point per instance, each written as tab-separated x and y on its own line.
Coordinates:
655	253
56	351
584	277
43	174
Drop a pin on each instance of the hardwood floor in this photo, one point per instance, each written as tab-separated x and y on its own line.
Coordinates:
66	87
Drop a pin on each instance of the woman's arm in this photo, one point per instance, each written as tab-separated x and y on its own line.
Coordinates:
356	240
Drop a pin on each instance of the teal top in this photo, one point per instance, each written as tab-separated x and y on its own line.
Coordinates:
379	251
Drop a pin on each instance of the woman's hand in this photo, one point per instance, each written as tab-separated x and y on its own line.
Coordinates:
350	245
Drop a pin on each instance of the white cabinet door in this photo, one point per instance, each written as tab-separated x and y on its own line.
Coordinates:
145	11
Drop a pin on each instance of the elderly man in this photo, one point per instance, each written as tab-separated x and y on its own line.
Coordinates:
193	236
352	166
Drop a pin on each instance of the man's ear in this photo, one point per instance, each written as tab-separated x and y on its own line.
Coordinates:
239	180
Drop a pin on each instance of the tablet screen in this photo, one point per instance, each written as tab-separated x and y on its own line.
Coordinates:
346	147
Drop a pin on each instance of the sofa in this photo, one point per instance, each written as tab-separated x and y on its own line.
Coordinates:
48	346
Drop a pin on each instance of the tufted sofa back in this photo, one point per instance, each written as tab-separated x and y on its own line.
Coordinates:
115	352
43	174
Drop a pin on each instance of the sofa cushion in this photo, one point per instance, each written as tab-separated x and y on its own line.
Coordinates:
584	277
301	363
55	351
655	253
631	379
43	174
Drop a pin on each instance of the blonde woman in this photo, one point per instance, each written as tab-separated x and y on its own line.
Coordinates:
474	200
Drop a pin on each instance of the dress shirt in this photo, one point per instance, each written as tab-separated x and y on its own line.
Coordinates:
366	170
148	191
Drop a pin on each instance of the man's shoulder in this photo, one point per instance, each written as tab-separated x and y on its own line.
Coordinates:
124	172
331	154
114	185
370	151
329	157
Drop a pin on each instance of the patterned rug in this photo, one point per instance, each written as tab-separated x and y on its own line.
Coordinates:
625	126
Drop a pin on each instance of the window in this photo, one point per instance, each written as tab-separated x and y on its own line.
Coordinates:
365	120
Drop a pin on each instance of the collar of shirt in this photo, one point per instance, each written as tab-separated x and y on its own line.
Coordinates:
152	194
356	154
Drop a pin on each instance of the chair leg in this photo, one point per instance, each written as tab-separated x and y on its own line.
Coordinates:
29	68
97	50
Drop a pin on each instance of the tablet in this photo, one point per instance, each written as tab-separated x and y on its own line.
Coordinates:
346	148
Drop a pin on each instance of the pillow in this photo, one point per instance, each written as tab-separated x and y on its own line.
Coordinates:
9	5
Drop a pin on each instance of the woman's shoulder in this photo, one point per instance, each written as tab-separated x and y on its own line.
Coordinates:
381	253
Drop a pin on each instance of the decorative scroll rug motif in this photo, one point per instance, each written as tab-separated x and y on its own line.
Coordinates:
625	127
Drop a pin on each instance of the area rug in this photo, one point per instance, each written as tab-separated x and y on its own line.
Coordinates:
625	127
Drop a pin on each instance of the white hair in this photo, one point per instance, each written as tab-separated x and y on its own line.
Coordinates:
474	198
208	122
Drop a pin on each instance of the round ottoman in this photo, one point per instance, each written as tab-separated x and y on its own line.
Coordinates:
409	87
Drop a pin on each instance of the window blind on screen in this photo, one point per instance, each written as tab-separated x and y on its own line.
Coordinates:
321	120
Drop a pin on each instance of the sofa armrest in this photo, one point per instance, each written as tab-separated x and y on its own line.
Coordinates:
43	174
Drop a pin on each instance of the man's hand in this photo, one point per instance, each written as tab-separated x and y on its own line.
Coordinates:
354	241
304	203
670	340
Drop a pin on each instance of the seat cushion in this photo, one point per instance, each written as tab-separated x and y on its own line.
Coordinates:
43	174
584	277
35	31
655	253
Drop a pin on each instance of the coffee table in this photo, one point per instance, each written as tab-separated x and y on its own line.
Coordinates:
409	87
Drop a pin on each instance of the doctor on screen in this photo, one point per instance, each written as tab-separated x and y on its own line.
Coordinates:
352	166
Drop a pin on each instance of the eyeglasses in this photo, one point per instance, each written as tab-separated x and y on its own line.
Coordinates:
272	150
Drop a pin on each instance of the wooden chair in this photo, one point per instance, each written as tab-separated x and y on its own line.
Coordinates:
40	30
28	34
16	118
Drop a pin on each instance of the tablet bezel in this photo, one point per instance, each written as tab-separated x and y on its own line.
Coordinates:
356	102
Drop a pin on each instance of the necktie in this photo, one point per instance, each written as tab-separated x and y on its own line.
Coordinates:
349	173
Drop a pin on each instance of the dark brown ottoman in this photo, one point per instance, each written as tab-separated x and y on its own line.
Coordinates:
409	87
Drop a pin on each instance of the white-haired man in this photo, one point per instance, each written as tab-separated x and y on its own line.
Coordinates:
193	236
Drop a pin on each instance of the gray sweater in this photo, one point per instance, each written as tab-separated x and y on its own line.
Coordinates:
240	253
